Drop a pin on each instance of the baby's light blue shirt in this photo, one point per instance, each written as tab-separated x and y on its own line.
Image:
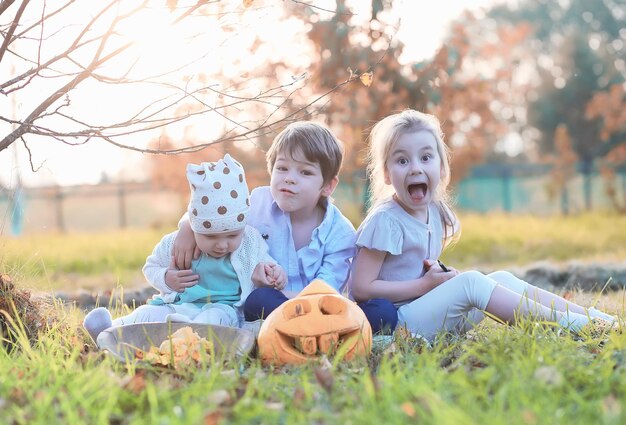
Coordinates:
218	283
327	256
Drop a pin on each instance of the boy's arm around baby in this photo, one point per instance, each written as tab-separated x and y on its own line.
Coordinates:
159	262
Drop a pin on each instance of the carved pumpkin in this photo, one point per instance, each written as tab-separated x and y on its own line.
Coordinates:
318	321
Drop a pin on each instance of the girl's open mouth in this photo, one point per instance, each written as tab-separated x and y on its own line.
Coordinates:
418	191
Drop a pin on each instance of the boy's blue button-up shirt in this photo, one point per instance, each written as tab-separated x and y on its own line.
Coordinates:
327	256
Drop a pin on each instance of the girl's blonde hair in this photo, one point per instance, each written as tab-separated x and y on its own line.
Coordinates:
383	138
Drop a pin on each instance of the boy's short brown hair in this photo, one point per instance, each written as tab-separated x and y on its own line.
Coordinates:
316	142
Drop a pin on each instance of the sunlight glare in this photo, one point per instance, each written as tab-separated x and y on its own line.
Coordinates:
156	39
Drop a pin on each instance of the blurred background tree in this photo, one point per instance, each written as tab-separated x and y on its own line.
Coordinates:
347	44
576	51
527	81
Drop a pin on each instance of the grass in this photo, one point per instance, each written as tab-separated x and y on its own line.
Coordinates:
87	260
525	374
500	240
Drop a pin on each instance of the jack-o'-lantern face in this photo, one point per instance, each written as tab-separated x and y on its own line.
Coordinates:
318	321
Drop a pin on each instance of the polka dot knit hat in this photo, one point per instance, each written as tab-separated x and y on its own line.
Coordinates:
219	196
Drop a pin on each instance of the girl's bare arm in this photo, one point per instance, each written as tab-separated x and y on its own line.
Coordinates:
366	285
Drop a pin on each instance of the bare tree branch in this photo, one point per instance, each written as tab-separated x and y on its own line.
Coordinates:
264	127
97	52
36	113
14	24
72	47
5	5
45	18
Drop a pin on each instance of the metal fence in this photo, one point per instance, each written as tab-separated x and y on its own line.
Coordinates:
515	189
528	188
87	208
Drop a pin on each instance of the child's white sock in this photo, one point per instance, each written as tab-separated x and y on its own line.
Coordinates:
96	321
572	321
594	312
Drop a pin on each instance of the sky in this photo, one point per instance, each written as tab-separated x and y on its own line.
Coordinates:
422	29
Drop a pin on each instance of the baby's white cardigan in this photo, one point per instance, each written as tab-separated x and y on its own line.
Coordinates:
252	251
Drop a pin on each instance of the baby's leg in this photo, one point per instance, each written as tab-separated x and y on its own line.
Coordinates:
218	314
452	306
547	298
96	321
145	314
99	319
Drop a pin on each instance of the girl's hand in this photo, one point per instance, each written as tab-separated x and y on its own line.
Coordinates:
185	249
453	270
179	280
428	264
435	273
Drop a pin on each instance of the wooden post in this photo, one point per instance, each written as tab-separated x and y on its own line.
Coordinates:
58	198
121	196
564	200
587	169
506	189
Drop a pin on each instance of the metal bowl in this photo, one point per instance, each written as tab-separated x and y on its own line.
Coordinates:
122	342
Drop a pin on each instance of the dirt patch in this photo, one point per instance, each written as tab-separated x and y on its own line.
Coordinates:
571	276
575	275
87	300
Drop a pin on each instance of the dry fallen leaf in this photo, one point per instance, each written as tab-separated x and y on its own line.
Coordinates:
213	418
367	78
324	375
408	409
529	417
247	3
184	348
299	397
136	383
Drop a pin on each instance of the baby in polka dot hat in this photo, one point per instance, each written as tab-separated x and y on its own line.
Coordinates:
234	258
219	196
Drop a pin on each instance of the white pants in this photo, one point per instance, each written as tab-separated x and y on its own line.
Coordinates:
456	305
210	314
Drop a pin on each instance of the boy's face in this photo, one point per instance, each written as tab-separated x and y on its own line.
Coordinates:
297	184
219	244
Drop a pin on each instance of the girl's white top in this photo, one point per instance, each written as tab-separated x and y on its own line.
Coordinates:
407	241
